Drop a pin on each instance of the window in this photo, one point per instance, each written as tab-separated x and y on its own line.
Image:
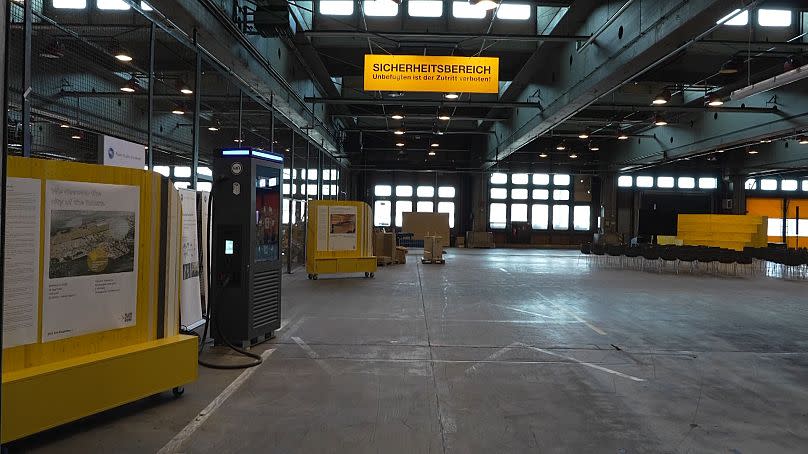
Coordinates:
774	17
581	217
426	191
541	194
286	174
446	192
499	178
403	191
768	184
117	5
69	4
162	170
541	179
326	174
791	227
285	189
285	217
625	181
561	194
775	227
513	11
645	182
336	7
382	8
204	171
145	6
326	189
182	184
740	19
541	218
206	186
402	206
519	194
382	190
447	207
519	212
805	185
561	214
789	185
496	216
750	184
687	182
464	10
708	183
312	174
664	182
311	189
381	213
561	180
424	207
519	178
182	172
499	193
425	8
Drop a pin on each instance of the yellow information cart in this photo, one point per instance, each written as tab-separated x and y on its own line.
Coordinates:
110	235
339	238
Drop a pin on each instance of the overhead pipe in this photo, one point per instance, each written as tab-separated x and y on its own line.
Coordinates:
395	37
423	102
603	27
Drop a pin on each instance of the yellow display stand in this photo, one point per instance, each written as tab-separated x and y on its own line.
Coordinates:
46	384
723	230
339	238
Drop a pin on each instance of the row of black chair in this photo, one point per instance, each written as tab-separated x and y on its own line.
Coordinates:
786	263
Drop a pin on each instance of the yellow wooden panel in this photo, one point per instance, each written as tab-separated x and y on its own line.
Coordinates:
42	397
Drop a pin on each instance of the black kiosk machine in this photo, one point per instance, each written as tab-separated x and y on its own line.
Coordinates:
246	248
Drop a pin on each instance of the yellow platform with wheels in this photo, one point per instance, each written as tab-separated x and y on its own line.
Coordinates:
722	230
46	383
339	238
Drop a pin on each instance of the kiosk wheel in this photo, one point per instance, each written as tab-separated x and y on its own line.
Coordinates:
178	391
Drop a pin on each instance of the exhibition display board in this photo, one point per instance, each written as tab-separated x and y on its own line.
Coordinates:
91	316
339	238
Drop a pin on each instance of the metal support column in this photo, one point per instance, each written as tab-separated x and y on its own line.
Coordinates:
150	113
291	204
3	155
197	102
319	174
26	78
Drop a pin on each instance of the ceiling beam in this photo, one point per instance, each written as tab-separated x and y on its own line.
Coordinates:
422	102
396	37
408	117
690	109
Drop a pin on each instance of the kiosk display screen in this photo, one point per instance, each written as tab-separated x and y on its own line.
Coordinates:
267	213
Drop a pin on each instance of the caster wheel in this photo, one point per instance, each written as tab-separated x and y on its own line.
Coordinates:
372	275
178	391
367	274
314	276
309	276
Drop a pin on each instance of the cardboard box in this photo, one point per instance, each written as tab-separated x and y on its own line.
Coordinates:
433	248
401	255
384	244
423	224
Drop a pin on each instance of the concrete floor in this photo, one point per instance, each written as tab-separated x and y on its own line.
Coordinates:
499	351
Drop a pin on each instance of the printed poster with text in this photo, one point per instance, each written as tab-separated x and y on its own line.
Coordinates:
91	258
190	298
342	225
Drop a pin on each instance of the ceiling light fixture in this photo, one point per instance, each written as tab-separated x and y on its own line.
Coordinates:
622	136
485	5
238	140
662	98
178	110
715	101
76	136
213	128
594	147
573	156
730	67
131	85
444	116
399	144
121	54
451	96
397	116
803	140
64	125
752	152
399	132
561	146
434	144
766	141
542	155
584	134
659	120
431	153
183	88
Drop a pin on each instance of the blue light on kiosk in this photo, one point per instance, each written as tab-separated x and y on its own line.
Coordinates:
235	152
271	157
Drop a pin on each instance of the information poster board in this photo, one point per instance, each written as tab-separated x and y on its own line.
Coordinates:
190	297
21	261
342	228
91	258
118	152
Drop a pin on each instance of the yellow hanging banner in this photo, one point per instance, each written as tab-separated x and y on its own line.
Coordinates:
432	74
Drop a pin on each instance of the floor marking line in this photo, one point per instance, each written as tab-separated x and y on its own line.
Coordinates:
526	312
175	443
591	326
584	363
491	357
313	355
291	328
